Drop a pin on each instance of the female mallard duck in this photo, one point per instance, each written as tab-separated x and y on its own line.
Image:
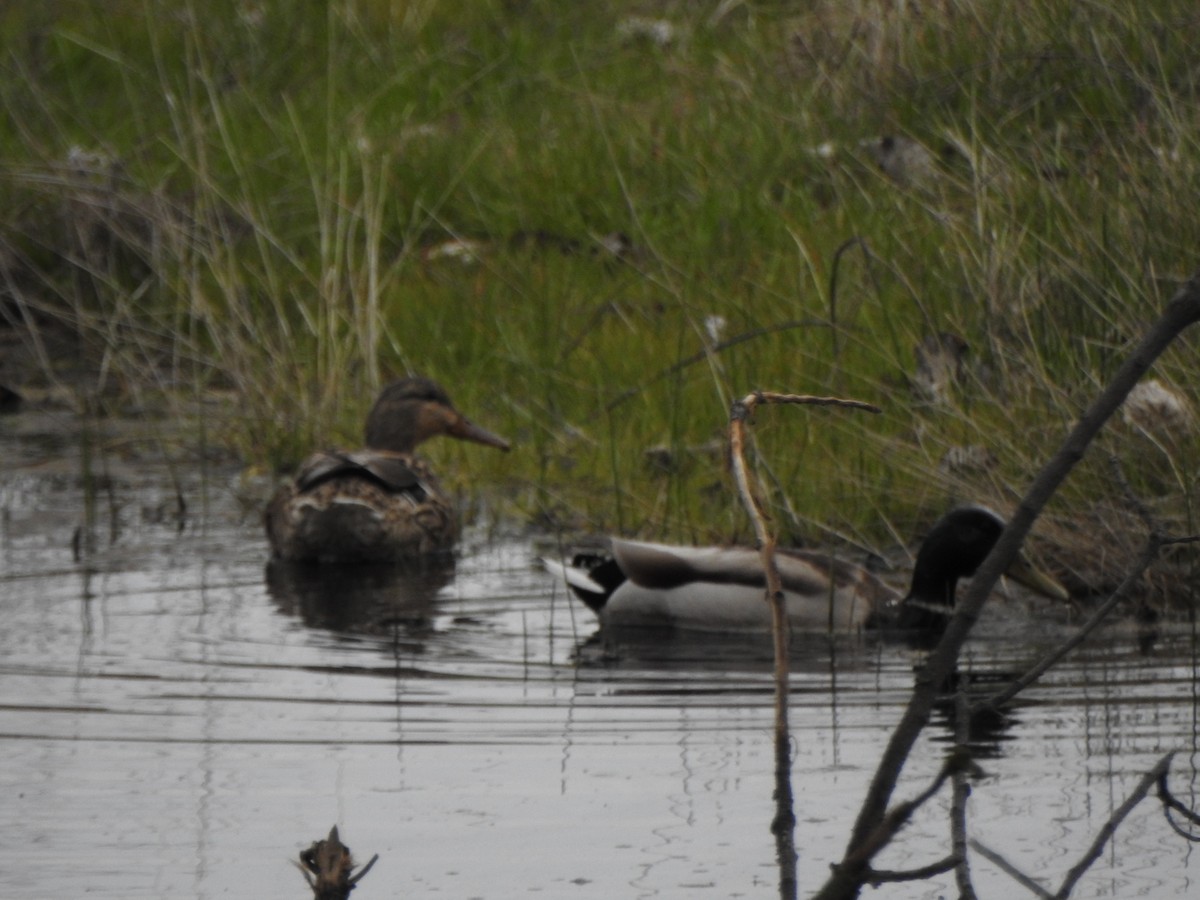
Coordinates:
382	503
712	588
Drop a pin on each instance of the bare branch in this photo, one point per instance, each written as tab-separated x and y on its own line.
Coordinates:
740	413
1154	544
881	876
1093	853
1170	803
1000	862
1181	312
1156	540
897	817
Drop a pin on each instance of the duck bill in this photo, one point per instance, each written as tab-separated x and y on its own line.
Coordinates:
1024	572
466	430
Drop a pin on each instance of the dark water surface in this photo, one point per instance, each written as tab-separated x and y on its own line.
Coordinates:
178	721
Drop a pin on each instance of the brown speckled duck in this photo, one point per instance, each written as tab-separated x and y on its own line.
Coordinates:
381	503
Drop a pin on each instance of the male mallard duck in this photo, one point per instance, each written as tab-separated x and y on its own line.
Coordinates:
713	588
382	503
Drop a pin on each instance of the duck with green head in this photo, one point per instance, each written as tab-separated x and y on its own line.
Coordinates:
381	503
723	588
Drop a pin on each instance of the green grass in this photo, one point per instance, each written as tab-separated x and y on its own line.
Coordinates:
277	178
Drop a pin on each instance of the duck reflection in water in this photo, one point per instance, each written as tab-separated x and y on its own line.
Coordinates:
362	599
988	728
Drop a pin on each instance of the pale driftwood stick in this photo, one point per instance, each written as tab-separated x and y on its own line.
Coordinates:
1181	312
1093	853
784	824
738	415
741	412
1012	871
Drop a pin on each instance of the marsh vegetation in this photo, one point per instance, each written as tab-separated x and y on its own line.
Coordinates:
598	224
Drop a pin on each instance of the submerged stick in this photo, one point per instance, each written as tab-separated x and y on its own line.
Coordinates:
1012	871
1156	775
958	804
1169	803
1110	827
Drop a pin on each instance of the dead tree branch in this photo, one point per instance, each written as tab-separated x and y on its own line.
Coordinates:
739	415
1156	540
1110	827
1181	312
1009	869
1170	803
882	876
897	817
1157	774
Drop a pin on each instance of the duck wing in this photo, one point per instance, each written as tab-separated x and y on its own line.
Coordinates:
663	567
394	472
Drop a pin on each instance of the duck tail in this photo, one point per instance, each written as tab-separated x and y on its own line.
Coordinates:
591	578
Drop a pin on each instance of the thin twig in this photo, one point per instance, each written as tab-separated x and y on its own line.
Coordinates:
877	877
897	817
835	269
1170	803
1156	774
358	876
707	352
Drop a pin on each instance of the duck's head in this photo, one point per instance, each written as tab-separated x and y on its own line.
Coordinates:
413	410
955	548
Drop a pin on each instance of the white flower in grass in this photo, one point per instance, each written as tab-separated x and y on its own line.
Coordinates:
715	326
657	31
1153	406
